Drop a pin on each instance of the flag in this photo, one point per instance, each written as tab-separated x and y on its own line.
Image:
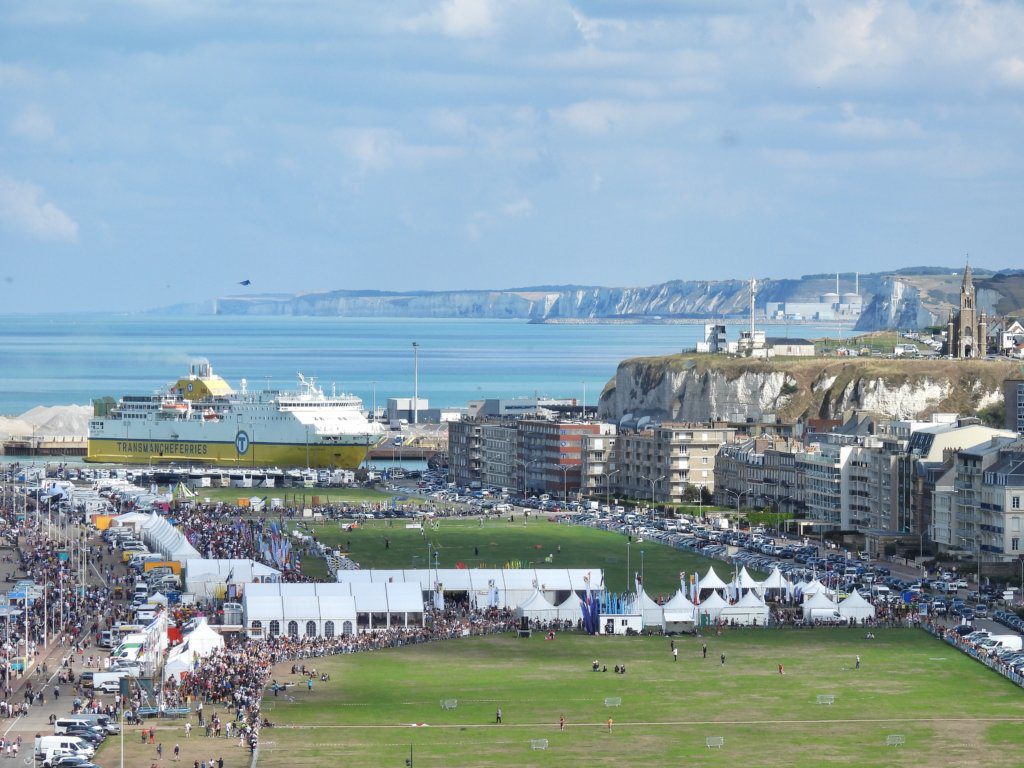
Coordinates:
459	564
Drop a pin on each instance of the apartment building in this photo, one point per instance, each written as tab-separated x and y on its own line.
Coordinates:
660	463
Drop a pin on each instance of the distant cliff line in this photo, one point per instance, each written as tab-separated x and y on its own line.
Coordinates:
905	299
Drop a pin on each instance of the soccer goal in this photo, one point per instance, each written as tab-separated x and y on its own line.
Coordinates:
826	698
716	742
538	743
449	704
895	740
613	701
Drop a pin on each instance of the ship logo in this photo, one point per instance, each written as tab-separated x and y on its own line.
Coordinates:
241	443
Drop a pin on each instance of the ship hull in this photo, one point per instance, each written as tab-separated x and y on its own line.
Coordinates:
224	454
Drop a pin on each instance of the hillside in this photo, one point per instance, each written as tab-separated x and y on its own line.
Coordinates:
703	387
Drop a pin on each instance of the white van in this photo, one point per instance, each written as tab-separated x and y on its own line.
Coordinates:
47	748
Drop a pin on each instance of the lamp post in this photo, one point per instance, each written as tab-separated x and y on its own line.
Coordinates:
565	480
778	510
653	483
607	486
738	496
978	542
524	465
641	569
628	542
415	382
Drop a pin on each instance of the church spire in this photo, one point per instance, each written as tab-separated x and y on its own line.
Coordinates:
968	282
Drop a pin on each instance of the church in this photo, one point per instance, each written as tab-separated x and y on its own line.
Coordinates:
966	329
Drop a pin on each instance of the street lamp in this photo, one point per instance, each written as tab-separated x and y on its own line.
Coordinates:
739	496
608	486
653	483
415	382
565	480
978	541
524	465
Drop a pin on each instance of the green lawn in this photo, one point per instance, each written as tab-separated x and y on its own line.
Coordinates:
951	710
499	542
297	495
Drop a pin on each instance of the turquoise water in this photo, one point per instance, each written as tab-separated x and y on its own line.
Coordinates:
59	359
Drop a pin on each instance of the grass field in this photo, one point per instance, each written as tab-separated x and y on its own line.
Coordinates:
325	495
951	710
499	542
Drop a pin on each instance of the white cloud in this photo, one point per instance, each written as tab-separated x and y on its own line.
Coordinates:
599	117
24	208
1010	70
34	124
459	19
857	126
379	149
517	209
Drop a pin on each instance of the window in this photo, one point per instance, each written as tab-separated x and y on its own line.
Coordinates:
328	629
1015	544
257	624
346	628
310	629
1016	502
275	628
293	630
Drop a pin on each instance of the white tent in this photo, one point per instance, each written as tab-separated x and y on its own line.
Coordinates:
160	536
537	607
711	608
158	599
819	606
200	642
678	614
775	580
856	607
813	588
745	581
711	580
569	609
208	577
650	610
749	610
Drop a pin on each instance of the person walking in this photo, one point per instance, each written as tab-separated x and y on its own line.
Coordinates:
857	664
609	725
561	723
188	730
159	750
497	717
177	752
675	654
705	650
723	659
782	670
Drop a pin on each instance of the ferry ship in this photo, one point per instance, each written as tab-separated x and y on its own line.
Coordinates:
200	419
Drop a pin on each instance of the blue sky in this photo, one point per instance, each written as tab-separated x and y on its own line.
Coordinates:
160	150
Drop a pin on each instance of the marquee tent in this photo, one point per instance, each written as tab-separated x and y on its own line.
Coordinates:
856	607
569	609
510	586
537	608
709	610
160	536
819	606
812	588
650	610
678	614
776	583
711	580
327	610
207	578
749	610
200	642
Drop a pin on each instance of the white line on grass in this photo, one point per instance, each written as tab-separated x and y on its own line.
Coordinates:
673	723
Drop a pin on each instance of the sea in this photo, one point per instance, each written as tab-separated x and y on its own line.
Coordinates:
64	359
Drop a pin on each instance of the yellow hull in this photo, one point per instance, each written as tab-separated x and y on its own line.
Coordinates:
113	451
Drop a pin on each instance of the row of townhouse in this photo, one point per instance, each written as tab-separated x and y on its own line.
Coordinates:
888	479
564	458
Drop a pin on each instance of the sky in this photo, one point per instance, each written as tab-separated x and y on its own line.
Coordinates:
160	151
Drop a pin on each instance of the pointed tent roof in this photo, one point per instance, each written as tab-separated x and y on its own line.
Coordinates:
745	581
819	600
712	606
813	588
751	600
679	602
570	607
203	639
855	606
535	602
775	580
711	580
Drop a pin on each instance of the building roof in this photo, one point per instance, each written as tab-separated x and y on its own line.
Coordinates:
787	340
